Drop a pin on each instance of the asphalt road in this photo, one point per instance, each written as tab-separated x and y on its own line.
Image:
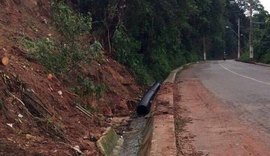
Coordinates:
243	87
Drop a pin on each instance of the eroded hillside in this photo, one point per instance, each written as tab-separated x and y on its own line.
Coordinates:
42	112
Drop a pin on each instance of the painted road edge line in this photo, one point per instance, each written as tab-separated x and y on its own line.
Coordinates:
250	78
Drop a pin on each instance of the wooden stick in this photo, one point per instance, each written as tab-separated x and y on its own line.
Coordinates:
16	98
84	111
19	101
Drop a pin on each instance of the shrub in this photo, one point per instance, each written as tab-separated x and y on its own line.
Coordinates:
266	58
45	51
64	55
96	49
245	57
87	87
127	53
160	65
191	57
69	23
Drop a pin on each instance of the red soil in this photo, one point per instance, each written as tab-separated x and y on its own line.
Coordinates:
20	18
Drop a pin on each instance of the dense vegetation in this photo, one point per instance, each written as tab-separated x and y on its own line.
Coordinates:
152	37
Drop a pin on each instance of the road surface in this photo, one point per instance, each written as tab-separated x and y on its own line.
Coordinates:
245	87
226	109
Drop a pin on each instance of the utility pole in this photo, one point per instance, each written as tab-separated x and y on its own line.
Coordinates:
251	54
238	35
239	41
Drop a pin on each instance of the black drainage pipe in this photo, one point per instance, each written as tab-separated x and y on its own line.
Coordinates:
144	106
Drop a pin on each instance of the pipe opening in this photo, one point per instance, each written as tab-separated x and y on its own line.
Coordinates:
142	110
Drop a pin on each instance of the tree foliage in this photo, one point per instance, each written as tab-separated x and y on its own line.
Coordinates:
151	37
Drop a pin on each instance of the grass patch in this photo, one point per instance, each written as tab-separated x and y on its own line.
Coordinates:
85	86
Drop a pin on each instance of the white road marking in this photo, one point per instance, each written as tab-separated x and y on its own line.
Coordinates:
250	78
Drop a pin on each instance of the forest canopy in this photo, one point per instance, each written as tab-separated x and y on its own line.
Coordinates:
152	37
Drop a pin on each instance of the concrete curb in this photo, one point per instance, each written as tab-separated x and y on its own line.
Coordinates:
163	140
172	75
262	64
256	63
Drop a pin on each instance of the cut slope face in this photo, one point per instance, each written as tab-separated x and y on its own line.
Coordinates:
39	114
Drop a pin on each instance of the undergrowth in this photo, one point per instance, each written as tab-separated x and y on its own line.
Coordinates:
245	57
149	64
68	23
63	55
127	54
87	87
266	58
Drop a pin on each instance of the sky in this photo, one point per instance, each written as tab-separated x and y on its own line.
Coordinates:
266	4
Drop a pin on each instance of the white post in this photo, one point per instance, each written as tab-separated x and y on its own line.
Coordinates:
239	41
251	55
204	49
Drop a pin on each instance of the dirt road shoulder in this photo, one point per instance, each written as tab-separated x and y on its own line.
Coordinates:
204	126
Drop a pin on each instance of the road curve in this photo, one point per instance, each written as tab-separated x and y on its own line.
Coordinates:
222	108
244	87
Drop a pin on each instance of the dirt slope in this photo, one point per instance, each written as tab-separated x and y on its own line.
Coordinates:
38	116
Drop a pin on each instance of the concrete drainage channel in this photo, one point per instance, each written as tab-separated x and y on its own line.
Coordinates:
153	134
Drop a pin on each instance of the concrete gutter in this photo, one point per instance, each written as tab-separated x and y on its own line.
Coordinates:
110	143
159	133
